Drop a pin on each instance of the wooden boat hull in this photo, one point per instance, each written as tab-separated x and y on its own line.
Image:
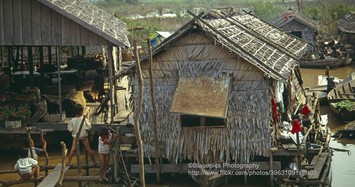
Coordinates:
331	63
343	113
342	92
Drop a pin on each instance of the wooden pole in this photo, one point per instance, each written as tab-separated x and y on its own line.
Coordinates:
124	167
30	65
45	151
271	165
78	149
64	150
112	83
155	125
41	63
58	58
87	163
137	116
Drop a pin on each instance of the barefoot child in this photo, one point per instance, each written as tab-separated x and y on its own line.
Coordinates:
106	138
27	167
73	127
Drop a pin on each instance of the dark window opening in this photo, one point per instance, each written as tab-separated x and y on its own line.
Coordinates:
297	34
201	121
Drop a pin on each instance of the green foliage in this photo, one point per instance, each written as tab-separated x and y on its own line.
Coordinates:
328	13
265	10
10	113
348	105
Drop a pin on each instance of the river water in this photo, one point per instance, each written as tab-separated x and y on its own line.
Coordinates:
342	171
343	167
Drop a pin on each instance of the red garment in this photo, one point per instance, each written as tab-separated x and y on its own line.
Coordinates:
274	110
106	138
305	110
296	127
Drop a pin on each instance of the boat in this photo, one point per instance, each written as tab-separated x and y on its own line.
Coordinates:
323	63
321	90
341	99
347	132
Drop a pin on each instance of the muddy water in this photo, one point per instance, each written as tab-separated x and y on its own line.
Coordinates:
343	167
342	173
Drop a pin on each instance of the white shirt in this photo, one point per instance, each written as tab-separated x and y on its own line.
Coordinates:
74	125
24	165
104	148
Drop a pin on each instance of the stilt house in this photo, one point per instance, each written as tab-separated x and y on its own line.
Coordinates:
30	30
214	81
346	27
299	25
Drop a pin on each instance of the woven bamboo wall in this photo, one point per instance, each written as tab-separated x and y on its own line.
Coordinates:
248	117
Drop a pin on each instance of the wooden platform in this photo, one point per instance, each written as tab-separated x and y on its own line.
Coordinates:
318	168
53	178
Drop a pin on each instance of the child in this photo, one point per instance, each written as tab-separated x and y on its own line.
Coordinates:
27	167
35	150
105	140
73	127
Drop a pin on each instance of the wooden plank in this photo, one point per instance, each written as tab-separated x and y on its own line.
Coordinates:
66	37
103	41
93	39
26	22
8	21
17	22
45	25
75	33
319	166
84	36
52	179
1	22
56	28
36	23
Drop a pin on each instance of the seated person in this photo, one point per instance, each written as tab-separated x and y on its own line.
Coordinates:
27	167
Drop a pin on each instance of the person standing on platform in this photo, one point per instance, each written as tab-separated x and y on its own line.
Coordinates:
73	127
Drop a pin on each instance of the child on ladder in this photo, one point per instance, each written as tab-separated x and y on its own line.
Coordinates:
106	138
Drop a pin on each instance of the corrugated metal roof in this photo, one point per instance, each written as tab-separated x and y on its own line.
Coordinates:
92	18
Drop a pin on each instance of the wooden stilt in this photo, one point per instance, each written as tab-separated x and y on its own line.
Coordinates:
124	167
155	125
138	113
77	142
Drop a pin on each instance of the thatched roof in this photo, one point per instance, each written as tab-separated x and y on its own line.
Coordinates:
347	24
268	48
92	18
289	16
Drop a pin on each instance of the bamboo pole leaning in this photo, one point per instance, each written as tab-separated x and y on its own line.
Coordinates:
155	125
77	142
138	113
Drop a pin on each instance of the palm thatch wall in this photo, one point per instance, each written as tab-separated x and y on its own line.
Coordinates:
248	117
